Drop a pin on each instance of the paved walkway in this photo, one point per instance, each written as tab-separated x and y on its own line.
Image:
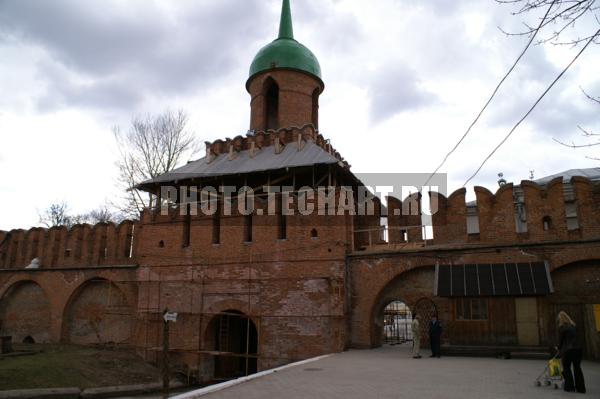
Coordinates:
390	372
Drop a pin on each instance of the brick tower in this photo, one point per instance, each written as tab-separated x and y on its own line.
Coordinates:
285	82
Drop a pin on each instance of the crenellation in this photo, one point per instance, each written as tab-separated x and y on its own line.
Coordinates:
87	245
76	242
124	239
276	138
24	255
449	222
56	241
404	221
46	248
21	238
15	242
60	247
584	197
545	210
33	246
496	214
4	248
97	243
112	245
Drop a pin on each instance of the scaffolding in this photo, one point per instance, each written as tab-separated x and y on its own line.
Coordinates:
227	336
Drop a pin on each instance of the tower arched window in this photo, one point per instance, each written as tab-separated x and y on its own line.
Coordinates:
271	104
315	108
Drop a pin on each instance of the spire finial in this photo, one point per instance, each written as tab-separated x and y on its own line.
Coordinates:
286	30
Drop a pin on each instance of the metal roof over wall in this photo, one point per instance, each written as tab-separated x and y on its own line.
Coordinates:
502	279
590	173
264	159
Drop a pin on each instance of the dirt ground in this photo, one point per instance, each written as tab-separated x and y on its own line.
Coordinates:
54	366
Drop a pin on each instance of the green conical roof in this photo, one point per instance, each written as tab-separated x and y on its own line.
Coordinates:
285	52
286	30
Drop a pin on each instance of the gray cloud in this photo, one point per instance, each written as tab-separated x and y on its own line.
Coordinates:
557	116
559	113
114	54
535	66
333	29
560	118
395	89
111	54
62	89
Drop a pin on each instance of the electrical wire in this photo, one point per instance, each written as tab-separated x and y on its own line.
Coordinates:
493	94
532	108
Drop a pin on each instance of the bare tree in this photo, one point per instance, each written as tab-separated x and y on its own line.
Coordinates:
57	214
80	218
153	146
569	22
591	139
566	22
104	213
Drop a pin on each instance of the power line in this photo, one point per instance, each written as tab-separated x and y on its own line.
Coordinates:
533	107
493	93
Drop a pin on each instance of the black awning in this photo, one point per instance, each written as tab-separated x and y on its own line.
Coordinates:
498	279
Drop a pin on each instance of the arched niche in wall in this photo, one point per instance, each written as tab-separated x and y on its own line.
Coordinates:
98	312
25	312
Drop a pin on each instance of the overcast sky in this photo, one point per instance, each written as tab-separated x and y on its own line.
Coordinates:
403	80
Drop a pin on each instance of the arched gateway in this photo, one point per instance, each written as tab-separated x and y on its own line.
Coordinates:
414	290
233	339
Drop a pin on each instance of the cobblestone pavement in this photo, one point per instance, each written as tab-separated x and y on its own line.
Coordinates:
390	372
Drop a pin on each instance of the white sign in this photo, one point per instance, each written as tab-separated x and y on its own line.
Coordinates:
170	316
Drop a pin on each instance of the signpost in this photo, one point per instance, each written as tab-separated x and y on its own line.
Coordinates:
167	317
170	316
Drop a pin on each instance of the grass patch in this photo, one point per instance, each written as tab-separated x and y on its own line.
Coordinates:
56	366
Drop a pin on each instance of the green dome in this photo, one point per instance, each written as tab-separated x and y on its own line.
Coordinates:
285	52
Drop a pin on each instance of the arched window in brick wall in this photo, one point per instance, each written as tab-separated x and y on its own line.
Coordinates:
271	90
315	108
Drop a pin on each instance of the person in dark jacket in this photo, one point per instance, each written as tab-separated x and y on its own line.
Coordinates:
435	336
570	354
